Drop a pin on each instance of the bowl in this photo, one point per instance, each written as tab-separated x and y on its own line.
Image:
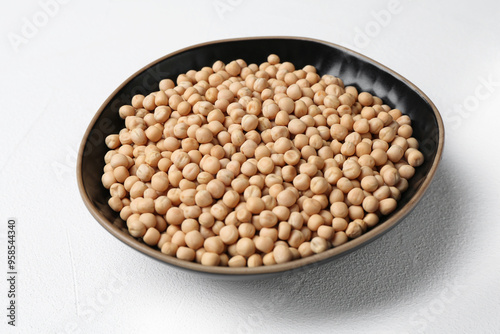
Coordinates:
354	68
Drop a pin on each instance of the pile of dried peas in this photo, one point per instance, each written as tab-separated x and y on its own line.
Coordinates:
248	165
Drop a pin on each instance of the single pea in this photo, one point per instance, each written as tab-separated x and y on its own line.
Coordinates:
387	205
194	239
282	254
318	245
229	234
237	261
245	247
255	205
151	237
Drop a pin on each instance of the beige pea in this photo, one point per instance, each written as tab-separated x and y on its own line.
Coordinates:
248	148
229	234
191	211
203	198
402	185
339	210
387	205
395	153
237	261
302	182
214	244
309	169
296	220
179	238
286	198
151	237
318	244
382	192
126	110
112	141
282	254
199	255
265	244
296	238
351	169
115	202
353	230
267	218
415	158
265	165
204	135
282	212
245	247
391	176
387	134
210	259
255	205
255	260
175	216
189	225
117	190
194	239
355	196
268	259
159	181
315	221
136	228
148	219
188	196
282	145
164	237
216	188
296	126
119	160
380	156
169	248
231	199
395	193
333	174
370	204
145	205
326	232
291	157
206	219
369	183
311	206
365	98
371	219
185	253
406	171
339	238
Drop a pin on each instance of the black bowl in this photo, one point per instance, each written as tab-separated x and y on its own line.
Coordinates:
354	68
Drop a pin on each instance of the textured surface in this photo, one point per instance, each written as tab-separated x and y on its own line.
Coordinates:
436	272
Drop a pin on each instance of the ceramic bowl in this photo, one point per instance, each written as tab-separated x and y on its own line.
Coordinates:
354	68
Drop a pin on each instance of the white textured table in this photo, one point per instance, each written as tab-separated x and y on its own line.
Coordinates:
436	272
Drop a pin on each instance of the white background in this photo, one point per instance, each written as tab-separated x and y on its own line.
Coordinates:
436	272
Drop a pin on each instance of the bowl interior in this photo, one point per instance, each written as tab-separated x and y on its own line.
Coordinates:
350	66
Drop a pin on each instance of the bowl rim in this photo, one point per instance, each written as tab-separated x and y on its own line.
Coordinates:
329	254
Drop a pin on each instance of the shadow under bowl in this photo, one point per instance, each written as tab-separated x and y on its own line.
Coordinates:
352	67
